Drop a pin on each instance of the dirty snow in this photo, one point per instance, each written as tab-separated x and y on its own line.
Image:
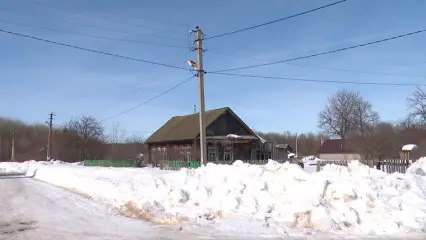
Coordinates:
274	198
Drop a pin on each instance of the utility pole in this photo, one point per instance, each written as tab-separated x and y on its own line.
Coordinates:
1	145
203	145
49	137
296	145
13	158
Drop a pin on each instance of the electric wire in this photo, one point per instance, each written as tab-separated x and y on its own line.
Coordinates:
275	21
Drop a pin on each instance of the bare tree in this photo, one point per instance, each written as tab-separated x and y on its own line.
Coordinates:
337	118
417	105
87	136
347	113
382	142
365	118
117	134
134	139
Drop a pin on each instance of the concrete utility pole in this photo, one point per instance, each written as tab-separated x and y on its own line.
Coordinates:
49	137
13	158
203	146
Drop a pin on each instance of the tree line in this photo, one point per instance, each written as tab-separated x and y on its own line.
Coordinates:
76	140
347	115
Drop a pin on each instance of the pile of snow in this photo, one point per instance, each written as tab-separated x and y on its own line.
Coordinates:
15	167
275	197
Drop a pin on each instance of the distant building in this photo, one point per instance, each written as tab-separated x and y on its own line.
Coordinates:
409	152
340	149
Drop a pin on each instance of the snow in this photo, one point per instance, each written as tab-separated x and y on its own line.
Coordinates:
278	199
310	164
233	136
409	147
261	139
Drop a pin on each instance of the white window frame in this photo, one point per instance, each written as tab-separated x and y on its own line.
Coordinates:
211	151
228	151
185	153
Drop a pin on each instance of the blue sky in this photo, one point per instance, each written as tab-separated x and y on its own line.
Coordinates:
37	77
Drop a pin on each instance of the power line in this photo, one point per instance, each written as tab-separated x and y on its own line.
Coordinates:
320	67
149	100
275	21
143	18
136	89
84	24
68	9
324	53
321	80
93	51
93	36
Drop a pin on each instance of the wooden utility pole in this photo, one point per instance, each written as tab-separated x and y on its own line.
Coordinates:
1	145
297	154
13	158
49	137
203	145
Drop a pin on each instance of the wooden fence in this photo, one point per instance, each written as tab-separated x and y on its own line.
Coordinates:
176	164
389	166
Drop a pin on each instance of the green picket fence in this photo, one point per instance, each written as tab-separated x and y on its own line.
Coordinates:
110	163
176	164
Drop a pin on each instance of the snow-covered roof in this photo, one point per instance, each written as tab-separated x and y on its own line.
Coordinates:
409	147
261	139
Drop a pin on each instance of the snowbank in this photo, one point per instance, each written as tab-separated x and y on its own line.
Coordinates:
275	197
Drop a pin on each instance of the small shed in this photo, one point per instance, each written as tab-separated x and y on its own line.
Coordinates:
409	152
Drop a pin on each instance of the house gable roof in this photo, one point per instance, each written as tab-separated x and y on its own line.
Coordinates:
337	146
285	146
187	127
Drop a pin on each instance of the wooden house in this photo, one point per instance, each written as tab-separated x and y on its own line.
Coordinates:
228	139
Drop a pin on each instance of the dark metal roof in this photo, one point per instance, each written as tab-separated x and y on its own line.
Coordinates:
187	127
339	146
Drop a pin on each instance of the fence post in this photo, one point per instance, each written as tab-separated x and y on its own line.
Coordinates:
318	166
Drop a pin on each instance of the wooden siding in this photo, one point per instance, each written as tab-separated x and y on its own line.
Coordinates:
226	124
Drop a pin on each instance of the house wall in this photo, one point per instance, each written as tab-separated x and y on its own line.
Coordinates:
226	124
339	156
182	150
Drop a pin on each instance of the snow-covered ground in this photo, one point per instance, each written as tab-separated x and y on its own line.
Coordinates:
274	199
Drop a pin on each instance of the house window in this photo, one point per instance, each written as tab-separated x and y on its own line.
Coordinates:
165	154
228	154
185	154
212	154
188	155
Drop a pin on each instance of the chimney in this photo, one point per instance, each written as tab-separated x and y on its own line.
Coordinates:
195	109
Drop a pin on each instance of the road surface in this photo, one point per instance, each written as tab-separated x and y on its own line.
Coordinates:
34	210
30	209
